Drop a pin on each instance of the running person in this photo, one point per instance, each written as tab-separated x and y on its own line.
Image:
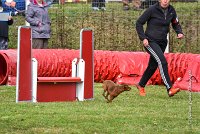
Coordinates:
158	18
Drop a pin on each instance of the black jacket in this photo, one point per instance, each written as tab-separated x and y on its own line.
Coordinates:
4	28
157	23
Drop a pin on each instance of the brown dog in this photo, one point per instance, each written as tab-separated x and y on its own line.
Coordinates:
112	89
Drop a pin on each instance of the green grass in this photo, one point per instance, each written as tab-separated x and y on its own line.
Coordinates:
127	114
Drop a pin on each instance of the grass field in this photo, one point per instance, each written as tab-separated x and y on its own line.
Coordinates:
127	114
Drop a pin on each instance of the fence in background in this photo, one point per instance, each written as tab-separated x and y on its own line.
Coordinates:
114	28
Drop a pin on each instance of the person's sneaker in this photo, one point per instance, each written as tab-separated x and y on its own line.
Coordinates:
103	8
141	90
173	91
1	9
125	8
95	8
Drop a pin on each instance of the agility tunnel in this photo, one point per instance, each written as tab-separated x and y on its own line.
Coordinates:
120	66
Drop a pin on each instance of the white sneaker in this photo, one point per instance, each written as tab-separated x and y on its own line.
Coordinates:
1	9
95	8
103	8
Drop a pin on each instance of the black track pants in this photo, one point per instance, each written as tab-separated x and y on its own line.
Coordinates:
157	59
98	3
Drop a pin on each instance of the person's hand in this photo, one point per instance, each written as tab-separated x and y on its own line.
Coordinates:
180	36
39	24
13	4
145	42
9	17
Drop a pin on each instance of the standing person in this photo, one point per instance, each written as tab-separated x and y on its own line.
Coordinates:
158	18
98	4
37	15
4	30
136	4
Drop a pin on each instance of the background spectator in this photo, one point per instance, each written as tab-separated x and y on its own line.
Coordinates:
98	4
37	16
4	29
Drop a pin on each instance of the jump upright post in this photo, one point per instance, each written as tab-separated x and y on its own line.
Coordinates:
24	65
31	88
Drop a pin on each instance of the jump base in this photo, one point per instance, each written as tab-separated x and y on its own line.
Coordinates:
56	89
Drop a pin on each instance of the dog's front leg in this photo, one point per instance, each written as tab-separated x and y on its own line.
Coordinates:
108	100
104	94
111	98
107	95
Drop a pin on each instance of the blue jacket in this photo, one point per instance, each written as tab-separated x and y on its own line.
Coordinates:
39	21
157	23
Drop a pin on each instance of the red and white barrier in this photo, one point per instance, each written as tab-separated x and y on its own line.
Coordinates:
24	65
30	87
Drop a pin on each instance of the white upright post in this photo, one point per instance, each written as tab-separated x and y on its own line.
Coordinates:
18	65
167	48
74	67
34	80
78	70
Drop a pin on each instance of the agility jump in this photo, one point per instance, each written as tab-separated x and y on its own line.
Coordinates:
31	88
